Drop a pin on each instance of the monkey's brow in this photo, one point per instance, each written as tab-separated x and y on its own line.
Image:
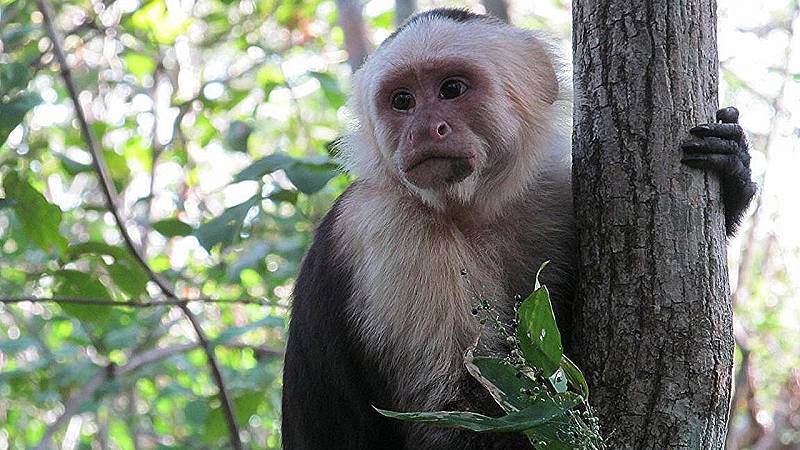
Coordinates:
399	72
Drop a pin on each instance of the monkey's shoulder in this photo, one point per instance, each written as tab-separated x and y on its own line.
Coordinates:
323	281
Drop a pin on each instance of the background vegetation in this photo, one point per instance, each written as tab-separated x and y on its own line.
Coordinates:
213	121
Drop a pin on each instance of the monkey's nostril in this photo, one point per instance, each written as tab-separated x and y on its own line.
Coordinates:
443	129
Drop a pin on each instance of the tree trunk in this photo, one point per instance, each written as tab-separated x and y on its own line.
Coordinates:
653	318
403	9
497	8
356	42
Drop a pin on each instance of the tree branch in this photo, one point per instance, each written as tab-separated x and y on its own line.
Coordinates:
110	195
403	9
497	8
133	303
110	372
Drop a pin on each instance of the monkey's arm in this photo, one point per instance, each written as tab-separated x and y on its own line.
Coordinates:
722	147
326	398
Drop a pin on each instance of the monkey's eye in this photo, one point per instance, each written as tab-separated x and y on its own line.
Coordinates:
402	101
452	88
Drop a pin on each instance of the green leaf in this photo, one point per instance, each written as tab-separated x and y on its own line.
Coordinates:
269	77
245	404
238	134
154	17
73	167
330	88
268	164
72	283
172	228
117	167
205	129
13	346
128	276
139	65
13	111
125	271
39	218
14	76
283	195
196	412
310	177
575	376
231	333
250	257
503	381
13	35
224	229
566	432
121	435
521	420
96	248
537	332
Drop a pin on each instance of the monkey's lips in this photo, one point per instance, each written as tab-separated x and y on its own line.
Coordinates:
434	169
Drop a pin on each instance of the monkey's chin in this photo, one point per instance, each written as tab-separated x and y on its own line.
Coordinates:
440	172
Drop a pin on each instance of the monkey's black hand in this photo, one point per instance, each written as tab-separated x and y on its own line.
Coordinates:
722	147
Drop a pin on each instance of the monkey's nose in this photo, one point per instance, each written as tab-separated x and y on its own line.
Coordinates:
440	130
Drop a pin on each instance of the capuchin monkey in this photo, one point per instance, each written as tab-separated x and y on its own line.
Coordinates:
461	147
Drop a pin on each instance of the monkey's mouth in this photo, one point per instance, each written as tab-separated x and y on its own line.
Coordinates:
433	170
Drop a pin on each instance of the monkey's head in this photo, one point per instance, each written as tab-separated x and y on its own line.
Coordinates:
455	107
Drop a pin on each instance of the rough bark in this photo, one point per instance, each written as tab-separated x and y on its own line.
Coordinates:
653	318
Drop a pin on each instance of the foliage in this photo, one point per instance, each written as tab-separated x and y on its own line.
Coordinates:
215	119
530	384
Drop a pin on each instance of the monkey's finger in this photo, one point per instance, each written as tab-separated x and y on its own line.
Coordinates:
720	130
728	115
724	164
711	145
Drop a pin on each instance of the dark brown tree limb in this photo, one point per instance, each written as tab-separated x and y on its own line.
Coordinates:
654	322
110	194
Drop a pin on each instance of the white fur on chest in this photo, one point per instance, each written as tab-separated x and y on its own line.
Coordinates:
411	303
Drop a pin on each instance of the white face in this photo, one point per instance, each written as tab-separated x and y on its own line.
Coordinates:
447	108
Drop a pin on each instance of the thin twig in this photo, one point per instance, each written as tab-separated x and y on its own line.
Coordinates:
110	195
86	393
134	303
72	406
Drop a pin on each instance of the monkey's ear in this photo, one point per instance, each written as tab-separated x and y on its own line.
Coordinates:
547	79
549	83
543	72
